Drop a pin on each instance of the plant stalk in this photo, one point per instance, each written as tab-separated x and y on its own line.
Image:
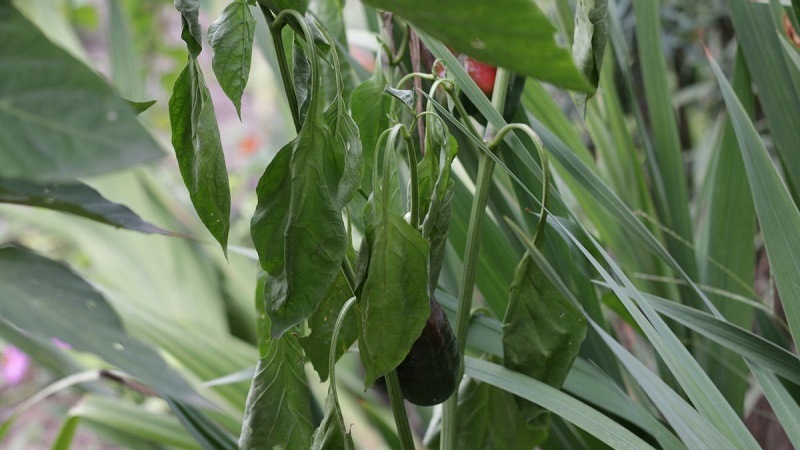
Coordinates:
471	252
399	411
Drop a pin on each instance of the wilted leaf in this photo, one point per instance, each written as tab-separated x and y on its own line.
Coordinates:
278	411
231	38
195	137
542	331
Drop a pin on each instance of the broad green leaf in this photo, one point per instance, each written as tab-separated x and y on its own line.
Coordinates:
777	213
370	107
488	418
196	139
74	198
318	343
559	403
278	410
589	43
778	91
48	300
231	38
301	77
514	34
58	119
542	332
328	436
393	306
190	21
301	196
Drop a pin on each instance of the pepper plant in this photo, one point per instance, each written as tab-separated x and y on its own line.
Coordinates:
437	233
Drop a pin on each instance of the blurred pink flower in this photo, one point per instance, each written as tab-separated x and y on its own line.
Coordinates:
14	364
61	344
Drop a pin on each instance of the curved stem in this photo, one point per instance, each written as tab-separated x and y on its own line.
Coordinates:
280	54
412	170
332	360
399	411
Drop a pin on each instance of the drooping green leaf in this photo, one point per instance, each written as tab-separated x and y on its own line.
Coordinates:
591	34
58	119
393	306
297	228
318	343
46	299
301	74
196	139
436	191
777	213
278	410
542	332
514	34
231	38
406	96
370	108
328	436
190	21
589	44
488	418
74	198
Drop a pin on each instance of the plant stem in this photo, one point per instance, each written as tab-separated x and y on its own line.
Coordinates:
471	252
412	170
399	411
280	54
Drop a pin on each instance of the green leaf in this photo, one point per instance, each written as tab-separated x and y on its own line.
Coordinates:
778	91
542	331
318	343
140	107
561	404
436	192
589	44
514	34
777	213
488	418
395	287
190	21
196	139
328	436
278	411
74	198
206	432
298	5
301	196
58	119
48	300
231	38
370	108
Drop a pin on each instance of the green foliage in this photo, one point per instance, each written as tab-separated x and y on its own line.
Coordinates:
60	120
231	38
649	224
